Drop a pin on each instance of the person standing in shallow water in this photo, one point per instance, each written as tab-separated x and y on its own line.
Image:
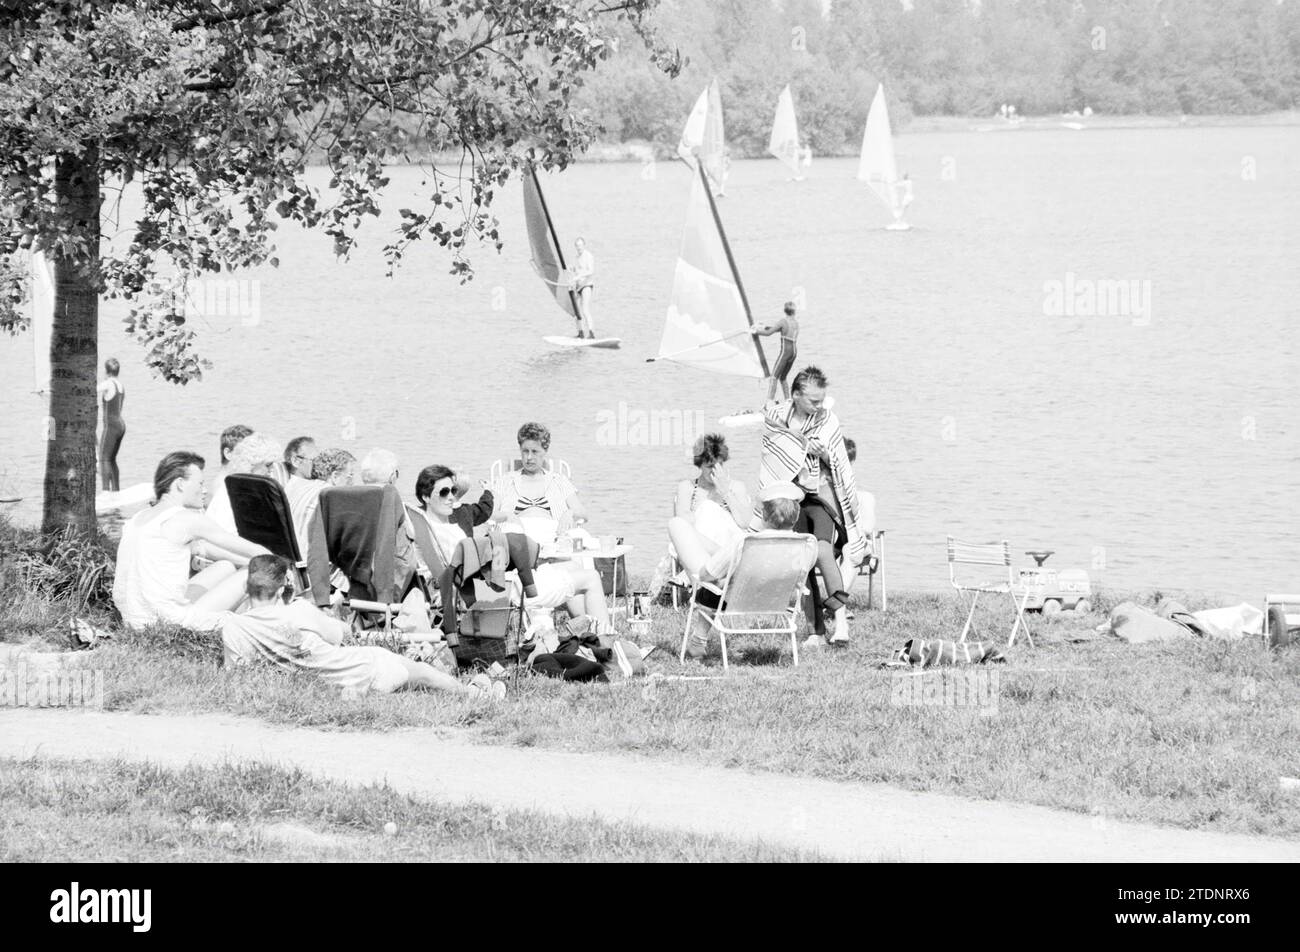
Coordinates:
111	397
788	327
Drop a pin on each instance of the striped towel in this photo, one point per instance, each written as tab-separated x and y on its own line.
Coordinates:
784	459
922	653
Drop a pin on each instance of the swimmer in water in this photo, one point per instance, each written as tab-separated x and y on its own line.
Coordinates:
111	397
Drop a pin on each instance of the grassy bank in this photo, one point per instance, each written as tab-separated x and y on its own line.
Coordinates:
118	812
1193	734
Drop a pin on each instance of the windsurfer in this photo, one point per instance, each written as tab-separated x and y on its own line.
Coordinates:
584	282
903	196
788	327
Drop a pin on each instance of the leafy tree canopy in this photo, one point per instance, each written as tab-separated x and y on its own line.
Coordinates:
215	106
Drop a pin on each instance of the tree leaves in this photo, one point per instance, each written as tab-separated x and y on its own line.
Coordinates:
215	114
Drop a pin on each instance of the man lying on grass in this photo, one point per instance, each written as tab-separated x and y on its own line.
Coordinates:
296	634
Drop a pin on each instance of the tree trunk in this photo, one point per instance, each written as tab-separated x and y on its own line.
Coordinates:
70	459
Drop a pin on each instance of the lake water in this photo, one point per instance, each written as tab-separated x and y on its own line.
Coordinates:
1155	447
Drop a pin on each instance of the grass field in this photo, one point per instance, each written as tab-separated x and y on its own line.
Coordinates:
1194	734
66	811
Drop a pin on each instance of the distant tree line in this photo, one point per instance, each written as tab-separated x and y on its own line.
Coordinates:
950	57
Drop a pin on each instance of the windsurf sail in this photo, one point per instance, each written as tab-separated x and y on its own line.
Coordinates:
704	140
784	143
547	258
709	322
42	317
877	166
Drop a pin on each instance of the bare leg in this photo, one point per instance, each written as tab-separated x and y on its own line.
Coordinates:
428	678
590	597
225	596
210	578
584	311
693	549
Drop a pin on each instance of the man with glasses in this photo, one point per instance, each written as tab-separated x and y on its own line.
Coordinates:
299	455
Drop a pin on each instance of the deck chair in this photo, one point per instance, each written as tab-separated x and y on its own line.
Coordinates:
500	467
262	515
873	565
968	555
484	628
355	531
762	592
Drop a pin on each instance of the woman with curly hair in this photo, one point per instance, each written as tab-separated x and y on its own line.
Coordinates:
718	506
257	454
533	493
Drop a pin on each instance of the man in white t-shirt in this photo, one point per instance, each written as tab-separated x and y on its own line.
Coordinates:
297	635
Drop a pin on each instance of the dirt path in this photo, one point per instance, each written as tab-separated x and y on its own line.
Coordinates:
853	821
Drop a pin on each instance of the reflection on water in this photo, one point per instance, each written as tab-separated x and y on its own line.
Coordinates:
1149	449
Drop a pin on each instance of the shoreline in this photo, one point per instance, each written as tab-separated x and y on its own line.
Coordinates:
640	150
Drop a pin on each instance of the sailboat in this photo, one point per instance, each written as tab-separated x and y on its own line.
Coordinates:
548	261
709	325
877	166
784	143
704	141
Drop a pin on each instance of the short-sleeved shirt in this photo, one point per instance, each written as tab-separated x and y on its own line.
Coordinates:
299	636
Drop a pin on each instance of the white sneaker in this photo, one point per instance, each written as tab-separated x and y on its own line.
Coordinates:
814	641
841	635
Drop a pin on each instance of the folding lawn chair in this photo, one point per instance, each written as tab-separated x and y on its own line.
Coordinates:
262	515
969	554
873	565
499	468
761	594
484	630
355	531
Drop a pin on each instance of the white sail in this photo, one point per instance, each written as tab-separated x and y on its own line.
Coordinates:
547	256
693	133
704	137
708	325
42	316
877	166
784	143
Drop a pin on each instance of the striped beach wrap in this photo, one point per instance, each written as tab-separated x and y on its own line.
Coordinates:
784	458
922	653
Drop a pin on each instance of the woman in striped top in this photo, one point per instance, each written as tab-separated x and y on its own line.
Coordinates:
535	492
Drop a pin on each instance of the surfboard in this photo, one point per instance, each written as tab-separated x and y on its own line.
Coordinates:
136	495
754	417
605	342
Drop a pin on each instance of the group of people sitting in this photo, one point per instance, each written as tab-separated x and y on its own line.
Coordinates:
159	545
806	485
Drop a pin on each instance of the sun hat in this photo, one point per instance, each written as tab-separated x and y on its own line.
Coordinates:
781	491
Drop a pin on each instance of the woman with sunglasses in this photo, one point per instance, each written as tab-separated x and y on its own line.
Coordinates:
439	492
571	584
